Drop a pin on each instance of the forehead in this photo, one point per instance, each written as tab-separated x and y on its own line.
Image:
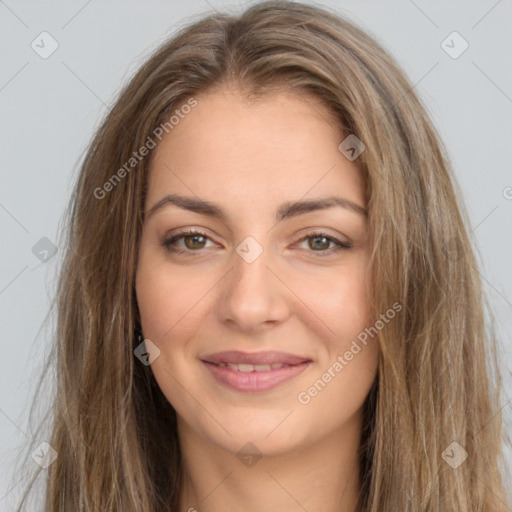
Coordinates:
281	146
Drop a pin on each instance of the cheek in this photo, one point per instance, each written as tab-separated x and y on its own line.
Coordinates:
339	303
348	362
167	299
348	357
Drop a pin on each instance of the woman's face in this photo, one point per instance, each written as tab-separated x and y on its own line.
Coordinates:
256	315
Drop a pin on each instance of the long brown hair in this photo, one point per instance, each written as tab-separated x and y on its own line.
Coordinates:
438	380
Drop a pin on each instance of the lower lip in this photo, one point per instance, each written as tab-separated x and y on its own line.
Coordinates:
255	381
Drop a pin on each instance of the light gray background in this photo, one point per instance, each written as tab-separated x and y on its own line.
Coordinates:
50	107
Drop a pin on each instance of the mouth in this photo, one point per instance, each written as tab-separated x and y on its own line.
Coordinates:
268	357
253	372
247	367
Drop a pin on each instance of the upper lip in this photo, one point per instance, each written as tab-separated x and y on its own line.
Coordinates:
267	357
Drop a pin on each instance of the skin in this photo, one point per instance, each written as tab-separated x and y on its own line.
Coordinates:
249	158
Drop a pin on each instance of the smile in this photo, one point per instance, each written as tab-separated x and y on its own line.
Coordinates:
244	367
254	372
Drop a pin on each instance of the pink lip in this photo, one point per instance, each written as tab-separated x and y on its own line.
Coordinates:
256	380
267	357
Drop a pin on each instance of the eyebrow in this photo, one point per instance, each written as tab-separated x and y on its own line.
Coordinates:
286	210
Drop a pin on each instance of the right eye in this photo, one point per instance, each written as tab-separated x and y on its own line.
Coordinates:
193	239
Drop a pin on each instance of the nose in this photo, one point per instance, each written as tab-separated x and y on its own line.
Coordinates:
253	295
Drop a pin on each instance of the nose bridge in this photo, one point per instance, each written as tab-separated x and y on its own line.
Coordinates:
251	264
252	295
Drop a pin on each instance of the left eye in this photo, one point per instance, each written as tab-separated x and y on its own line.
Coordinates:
195	240
322	241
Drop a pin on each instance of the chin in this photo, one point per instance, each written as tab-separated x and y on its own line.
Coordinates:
270	433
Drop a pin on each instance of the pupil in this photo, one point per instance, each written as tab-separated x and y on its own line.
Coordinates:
316	238
192	240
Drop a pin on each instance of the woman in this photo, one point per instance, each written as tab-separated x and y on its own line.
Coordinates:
269	299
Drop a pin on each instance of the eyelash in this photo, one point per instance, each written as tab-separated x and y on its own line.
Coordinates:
340	246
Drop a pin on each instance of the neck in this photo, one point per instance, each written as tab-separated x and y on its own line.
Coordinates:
321	476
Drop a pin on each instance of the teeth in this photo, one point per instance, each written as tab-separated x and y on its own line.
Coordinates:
244	367
232	366
262	367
